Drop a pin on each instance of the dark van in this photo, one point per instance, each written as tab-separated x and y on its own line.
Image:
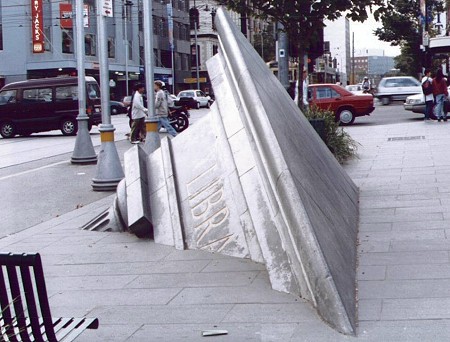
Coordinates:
46	104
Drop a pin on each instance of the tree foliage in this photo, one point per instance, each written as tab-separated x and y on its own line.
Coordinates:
402	26
303	19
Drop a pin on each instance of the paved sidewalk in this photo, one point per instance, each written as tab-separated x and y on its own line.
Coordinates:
141	291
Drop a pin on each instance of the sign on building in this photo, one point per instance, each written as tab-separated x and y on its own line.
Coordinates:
65	15
107	8
37	26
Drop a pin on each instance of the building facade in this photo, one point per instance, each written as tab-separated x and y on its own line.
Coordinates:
337	35
374	67
124	38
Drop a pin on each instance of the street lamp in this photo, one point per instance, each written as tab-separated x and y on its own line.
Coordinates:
127	6
194	18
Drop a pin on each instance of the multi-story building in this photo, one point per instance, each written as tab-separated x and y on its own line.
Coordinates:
22	59
374	67
337	34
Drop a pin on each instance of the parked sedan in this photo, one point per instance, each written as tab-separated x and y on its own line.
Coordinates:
117	107
193	98
345	105
416	103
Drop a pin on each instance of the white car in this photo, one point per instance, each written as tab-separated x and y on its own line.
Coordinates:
355	89
416	103
397	88
194	96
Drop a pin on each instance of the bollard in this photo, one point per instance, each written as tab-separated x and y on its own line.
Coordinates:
109	170
152	139
83	152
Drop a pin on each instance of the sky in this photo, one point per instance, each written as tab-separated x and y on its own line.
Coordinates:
365	39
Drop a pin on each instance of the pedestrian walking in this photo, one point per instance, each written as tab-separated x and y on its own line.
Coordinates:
138	114
162	109
427	89
440	93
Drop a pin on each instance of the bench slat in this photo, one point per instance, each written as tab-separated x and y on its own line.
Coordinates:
36	324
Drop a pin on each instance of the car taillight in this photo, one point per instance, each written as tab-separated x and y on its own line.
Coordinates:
89	110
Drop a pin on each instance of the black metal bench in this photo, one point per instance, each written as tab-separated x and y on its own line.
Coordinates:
25	311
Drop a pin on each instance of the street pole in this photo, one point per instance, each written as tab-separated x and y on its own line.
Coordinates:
283	57
171	41
83	152
353	58
152	139
109	169
196	56
127	48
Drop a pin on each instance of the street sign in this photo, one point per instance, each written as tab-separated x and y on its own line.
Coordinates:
191	80
107	8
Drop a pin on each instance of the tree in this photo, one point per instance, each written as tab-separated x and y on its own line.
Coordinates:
402	26
303	19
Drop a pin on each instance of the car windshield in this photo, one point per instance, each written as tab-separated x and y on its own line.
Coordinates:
186	94
93	91
7	96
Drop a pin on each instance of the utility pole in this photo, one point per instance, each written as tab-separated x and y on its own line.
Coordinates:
127	5
171	41
353	58
109	169
83	152
283	57
152	140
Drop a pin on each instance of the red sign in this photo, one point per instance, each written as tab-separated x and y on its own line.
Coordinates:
37	26
65	15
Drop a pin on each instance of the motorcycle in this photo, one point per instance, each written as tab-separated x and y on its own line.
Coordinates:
179	118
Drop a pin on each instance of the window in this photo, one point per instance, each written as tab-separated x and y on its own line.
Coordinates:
48	38
37	95
130	50
67	41
111	48
89	45
215	49
93	91
68	93
326	93
8	96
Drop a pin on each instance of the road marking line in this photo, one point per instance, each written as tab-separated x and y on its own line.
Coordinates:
33	170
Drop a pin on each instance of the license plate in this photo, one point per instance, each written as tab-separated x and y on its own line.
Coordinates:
97	110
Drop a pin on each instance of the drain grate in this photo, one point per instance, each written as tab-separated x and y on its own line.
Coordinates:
417	137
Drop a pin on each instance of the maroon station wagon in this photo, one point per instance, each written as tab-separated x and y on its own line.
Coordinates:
345	105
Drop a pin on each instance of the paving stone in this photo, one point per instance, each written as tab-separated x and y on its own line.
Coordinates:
232	295
434	288
374	227
367	246
422	245
404	258
194	255
161	314
110	333
236	332
138	268
369	309
427	271
271	313
417	308
57	284
90	298
193	280
421	225
404	217
233	265
371	272
399	235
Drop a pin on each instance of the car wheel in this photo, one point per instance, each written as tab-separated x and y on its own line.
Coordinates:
69	127
180	123
114	111
385	100
208	105
7	130
346	116
197	105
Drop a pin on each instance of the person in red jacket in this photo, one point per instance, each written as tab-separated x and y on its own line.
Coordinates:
440	93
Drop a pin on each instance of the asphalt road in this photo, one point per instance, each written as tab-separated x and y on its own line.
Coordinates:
385	115
38	182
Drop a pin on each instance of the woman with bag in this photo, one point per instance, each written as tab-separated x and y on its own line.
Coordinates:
440	93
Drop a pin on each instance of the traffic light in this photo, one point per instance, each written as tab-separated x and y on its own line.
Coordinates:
194	18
